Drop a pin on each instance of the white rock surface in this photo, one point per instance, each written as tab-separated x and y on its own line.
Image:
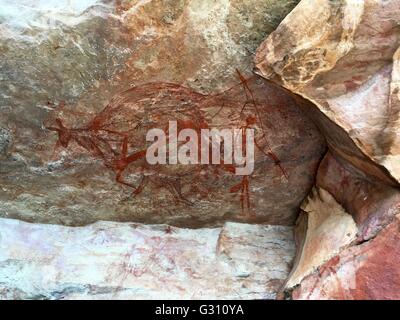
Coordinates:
109	260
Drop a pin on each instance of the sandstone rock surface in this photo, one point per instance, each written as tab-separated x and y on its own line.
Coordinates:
110	260
371	203
346	61
71	59
349	220
329	229
365	271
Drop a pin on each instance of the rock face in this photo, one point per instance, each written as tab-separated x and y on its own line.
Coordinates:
371	203
346	61
329	228
109	260
347	229
187	194
82	83
365	271
71	61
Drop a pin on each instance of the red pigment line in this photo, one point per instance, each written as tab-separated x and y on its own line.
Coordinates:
98	136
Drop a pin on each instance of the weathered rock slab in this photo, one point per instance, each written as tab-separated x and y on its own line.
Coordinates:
371	203
344	60
329	229
365	271
70	60
109	260
349	224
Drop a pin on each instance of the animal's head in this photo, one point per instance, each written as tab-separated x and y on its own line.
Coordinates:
64	134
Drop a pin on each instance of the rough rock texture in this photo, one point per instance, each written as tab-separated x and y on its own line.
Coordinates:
70	60
366	271
285	160
82	82
371	203
346	61
331	260
329	228
109	260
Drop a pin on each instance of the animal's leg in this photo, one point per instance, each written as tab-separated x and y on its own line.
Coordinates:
124	149
106	144
246	195
176	191
140	187
243	188
120	179
53	156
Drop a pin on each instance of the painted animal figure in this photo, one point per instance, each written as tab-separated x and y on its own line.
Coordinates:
117	134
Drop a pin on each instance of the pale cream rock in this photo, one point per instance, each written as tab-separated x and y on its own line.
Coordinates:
391	159
109	260
328	229
368	271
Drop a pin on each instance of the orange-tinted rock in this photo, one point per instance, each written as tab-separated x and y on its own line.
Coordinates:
78	56
346	61
372	203
366	271
326	232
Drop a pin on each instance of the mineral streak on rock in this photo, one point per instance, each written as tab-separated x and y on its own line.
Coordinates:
109	260
345	61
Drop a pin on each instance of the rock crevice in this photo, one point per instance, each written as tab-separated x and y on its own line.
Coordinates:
345	61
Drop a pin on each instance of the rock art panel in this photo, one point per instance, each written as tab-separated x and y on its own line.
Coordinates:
71	60
116	136
104	153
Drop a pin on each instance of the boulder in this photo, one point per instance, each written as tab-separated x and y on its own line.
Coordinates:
346	61
71	63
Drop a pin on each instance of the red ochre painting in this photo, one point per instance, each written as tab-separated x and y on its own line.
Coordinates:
199	149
